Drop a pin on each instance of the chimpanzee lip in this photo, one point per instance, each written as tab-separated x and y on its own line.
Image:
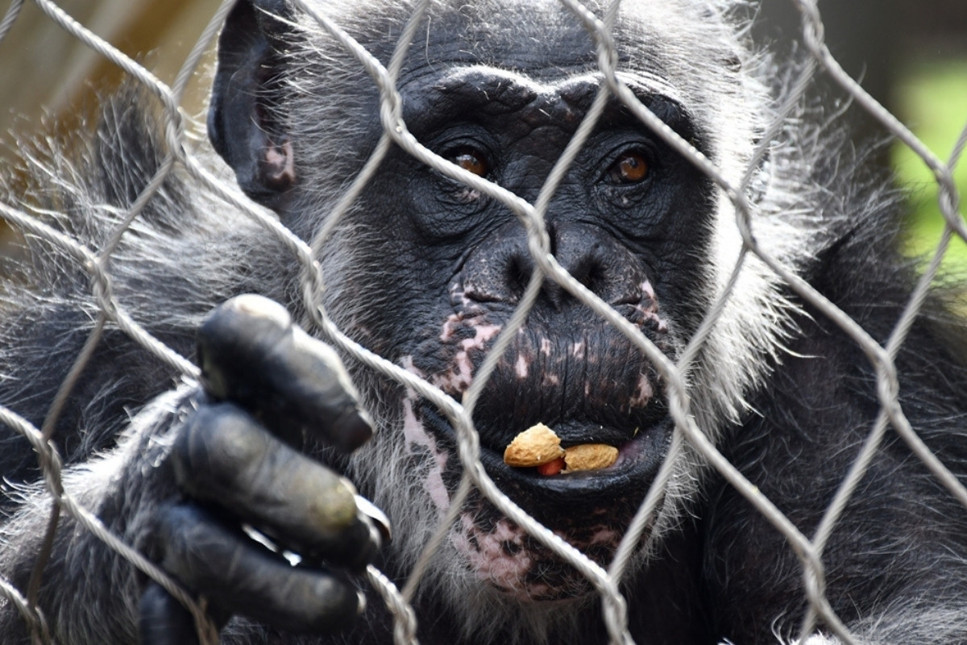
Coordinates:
639	459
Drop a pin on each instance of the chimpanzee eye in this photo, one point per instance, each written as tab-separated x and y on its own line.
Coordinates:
630	168
471	160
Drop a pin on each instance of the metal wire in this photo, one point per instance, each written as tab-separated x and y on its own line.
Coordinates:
182	155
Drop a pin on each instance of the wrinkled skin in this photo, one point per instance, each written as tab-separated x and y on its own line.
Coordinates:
427	271
266	386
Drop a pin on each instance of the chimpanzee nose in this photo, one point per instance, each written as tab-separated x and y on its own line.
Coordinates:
500	271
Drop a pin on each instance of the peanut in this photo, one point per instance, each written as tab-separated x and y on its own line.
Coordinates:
535	446
589	456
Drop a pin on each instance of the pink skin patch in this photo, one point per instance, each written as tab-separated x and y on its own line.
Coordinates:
498	556
546	346
541	370
458	378
279	165
521	366
647	309
643	393
416	437
505	556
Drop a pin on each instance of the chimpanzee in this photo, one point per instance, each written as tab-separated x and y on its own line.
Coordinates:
426	269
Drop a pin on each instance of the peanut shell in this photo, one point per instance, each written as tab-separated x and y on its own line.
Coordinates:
589	456
533	447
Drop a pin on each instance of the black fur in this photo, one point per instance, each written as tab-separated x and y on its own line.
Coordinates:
787	395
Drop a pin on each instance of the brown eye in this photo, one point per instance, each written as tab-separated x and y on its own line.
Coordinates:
471	160
630	168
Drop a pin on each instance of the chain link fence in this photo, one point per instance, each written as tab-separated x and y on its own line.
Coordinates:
182	153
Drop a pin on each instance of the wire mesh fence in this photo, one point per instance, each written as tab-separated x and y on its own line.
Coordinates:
183	156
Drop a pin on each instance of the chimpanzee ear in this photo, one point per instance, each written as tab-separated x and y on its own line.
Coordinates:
246	91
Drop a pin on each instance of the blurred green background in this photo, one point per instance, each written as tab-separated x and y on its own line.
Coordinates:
912	57
932	99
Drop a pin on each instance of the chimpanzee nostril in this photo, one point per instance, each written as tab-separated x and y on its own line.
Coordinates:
501	271
520	267
589	271
596	261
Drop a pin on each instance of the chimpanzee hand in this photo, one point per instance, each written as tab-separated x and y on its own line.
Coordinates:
268	388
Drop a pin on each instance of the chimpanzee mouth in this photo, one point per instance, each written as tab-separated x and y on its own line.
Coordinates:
597	394
588	383
621	485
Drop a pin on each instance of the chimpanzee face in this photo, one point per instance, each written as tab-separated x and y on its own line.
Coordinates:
626	222
430	271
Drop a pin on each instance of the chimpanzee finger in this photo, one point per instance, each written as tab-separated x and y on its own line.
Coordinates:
237	575
251	353
224	456
163	620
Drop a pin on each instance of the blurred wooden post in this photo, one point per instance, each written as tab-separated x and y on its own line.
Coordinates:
45	72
